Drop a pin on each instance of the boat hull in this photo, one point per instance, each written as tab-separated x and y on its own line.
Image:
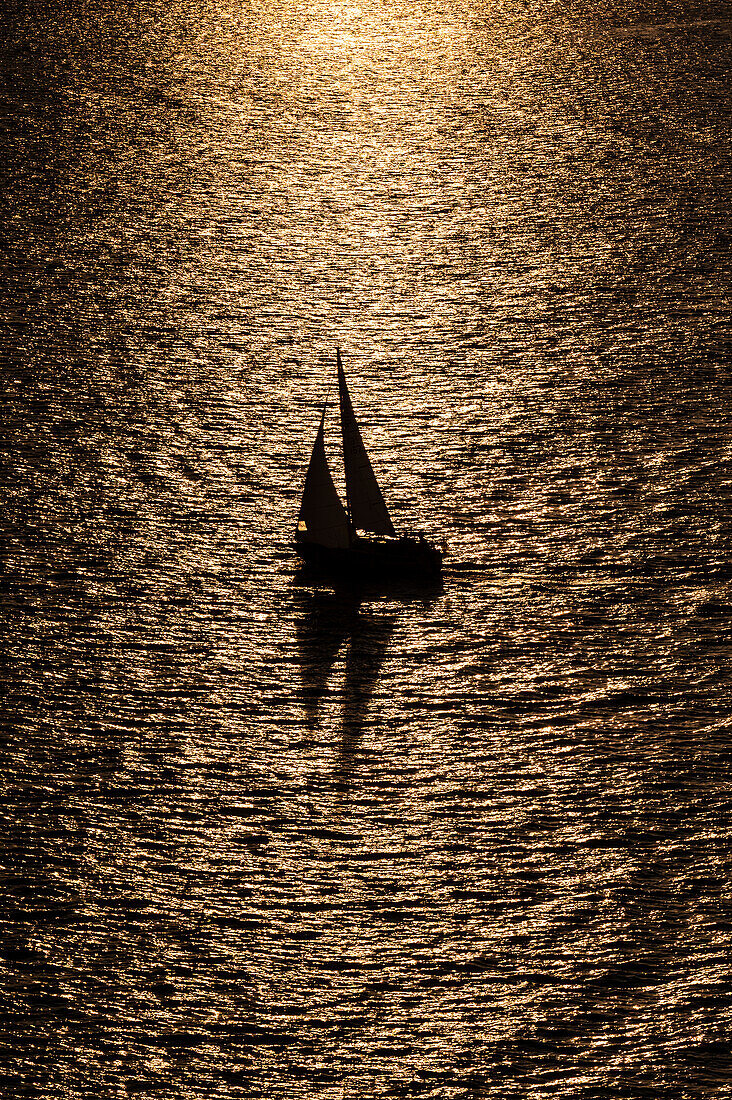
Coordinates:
408	559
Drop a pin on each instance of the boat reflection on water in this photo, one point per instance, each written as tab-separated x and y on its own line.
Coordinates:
334	627
327	620
367	648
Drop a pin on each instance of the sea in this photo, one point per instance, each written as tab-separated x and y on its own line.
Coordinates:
266	835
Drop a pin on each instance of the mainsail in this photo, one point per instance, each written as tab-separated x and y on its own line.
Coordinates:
366	508
322	517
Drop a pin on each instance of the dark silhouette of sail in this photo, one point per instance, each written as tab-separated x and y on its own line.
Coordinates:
322	517
366	508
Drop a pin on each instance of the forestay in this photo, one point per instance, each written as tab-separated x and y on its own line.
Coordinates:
366	505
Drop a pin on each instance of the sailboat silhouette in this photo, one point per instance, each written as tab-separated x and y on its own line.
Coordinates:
359	538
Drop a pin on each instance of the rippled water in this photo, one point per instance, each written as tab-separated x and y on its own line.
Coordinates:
264	838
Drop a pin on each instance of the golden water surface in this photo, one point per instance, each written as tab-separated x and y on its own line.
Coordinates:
264	838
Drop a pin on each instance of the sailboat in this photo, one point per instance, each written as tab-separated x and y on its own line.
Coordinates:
358	538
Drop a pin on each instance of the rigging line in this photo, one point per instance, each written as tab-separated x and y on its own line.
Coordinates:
327	395
325	404
341	385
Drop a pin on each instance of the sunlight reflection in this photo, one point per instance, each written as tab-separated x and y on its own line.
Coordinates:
417	43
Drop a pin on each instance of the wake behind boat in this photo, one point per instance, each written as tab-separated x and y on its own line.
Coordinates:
359	538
